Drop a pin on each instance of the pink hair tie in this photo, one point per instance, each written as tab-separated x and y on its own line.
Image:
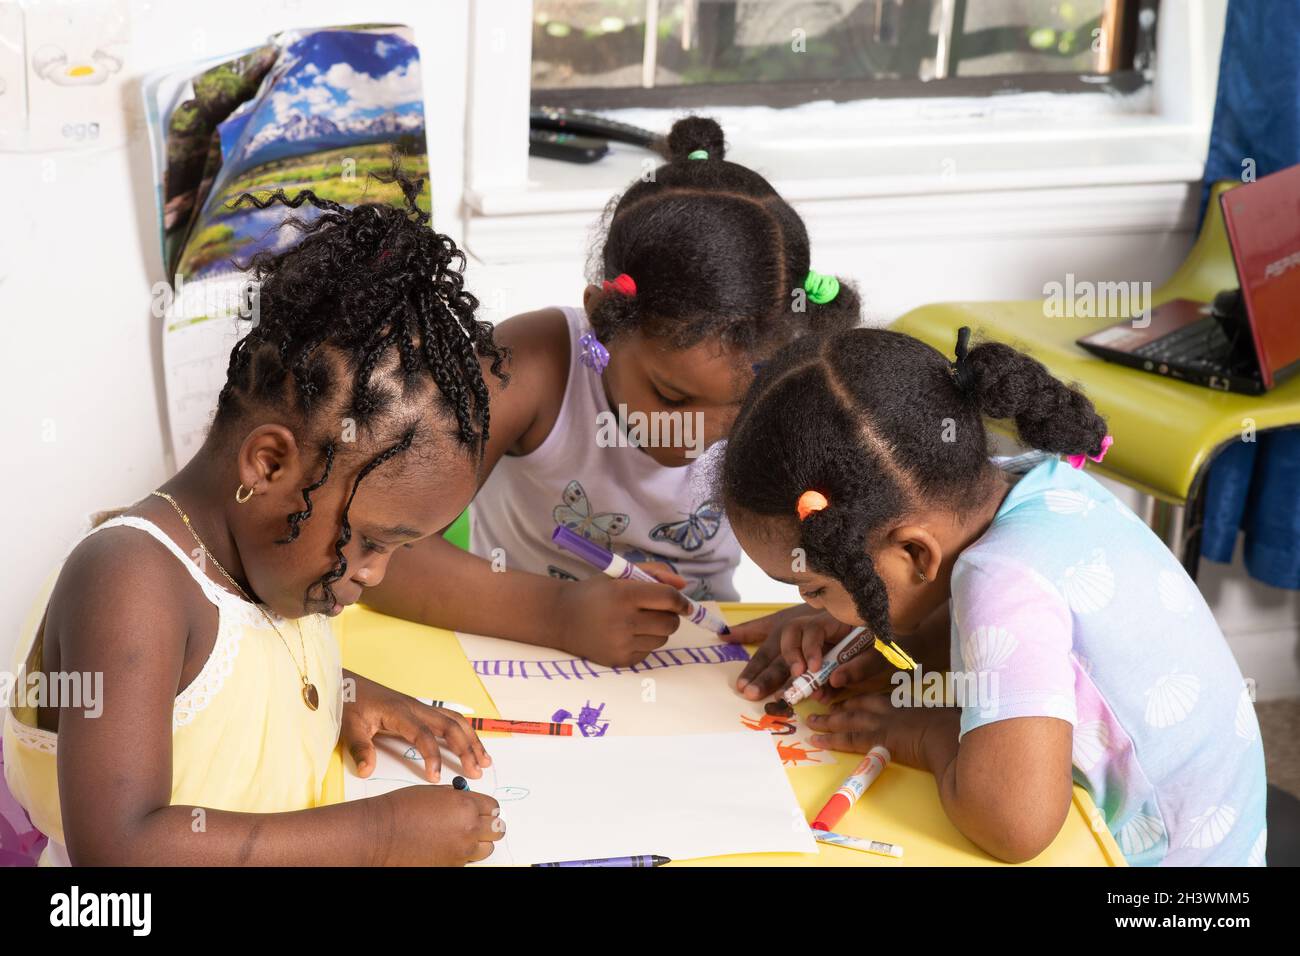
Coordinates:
621	283
1077	460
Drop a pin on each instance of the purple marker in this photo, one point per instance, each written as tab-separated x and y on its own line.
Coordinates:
619	567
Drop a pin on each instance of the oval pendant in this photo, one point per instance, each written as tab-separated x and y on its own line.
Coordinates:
310	697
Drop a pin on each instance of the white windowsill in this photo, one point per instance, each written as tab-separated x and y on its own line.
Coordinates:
825	151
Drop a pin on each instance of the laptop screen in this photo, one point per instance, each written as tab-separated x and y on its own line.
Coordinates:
1263	221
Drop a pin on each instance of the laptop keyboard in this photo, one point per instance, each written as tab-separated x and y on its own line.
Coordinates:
1199	345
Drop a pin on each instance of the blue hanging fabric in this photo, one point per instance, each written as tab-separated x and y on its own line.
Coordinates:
1255	487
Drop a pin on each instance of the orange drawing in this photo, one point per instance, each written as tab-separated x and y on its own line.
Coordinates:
794	753
776	725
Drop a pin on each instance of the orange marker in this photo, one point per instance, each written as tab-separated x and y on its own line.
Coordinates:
546	728
842	800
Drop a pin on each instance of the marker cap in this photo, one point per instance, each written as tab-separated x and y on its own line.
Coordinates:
832	813
589	551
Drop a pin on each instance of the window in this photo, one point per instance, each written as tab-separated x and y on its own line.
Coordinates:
681	53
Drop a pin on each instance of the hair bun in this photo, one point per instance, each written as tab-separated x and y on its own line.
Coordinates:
695	132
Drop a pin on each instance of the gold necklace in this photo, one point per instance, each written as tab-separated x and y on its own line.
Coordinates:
309	695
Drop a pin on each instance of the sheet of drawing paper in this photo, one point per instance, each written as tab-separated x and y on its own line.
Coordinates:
688	686
589	798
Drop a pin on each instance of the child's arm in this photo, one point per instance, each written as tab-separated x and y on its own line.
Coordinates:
611	622
1008	786
121	618
617	623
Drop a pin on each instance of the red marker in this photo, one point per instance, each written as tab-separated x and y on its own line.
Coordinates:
546	728
842	800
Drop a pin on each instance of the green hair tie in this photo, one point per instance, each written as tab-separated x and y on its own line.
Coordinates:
698	154
820	288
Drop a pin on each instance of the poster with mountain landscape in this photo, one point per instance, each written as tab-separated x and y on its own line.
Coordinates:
329	110
319	110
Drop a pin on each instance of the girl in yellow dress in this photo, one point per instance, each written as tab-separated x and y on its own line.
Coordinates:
189	636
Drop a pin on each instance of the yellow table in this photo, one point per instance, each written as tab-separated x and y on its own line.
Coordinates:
902	806
1166	432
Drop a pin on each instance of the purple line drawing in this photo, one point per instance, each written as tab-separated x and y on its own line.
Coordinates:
578	668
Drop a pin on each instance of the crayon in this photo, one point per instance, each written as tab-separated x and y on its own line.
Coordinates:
522	726
617	566
843	799
642	860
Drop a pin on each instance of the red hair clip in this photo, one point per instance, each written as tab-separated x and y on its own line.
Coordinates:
811	501
621	283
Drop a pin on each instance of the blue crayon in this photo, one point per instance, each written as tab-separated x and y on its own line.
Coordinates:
643	860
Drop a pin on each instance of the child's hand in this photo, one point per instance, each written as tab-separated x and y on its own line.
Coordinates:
379	710
438	826
760	629
915	736
617	623
775	661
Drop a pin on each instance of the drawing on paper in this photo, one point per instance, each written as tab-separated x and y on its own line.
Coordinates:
579	668
588	723
794	753
776	725
508	794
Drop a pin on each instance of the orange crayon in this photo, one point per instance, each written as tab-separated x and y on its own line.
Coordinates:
546	728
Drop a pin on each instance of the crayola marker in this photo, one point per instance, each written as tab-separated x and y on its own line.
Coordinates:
619	567
853	643
842	800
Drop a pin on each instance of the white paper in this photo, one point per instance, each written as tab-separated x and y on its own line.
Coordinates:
581	798
688	686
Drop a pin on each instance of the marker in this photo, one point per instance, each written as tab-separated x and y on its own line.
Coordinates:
460	783
643	860
619	567
543	727
842	800
461	709
853	643
857	843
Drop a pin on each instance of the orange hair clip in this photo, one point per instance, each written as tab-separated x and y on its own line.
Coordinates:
811	501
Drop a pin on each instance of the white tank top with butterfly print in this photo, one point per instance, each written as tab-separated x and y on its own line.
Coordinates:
618	497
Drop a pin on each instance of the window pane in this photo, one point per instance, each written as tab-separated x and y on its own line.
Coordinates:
601	43
1031	36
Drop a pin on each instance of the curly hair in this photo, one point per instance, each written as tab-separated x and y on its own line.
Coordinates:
715	253
355	323
881	424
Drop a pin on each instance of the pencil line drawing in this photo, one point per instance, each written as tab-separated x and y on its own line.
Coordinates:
578	668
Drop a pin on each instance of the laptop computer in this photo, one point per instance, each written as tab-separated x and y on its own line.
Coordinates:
1247	339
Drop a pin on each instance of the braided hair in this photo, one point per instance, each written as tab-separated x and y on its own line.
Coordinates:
355	325
882	424
715	253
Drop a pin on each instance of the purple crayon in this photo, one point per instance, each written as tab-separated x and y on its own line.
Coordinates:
643	860
619	567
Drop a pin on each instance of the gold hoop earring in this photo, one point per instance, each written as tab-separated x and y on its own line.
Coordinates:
240	491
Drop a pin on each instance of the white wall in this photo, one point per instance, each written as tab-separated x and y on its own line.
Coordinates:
81	392
80	385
